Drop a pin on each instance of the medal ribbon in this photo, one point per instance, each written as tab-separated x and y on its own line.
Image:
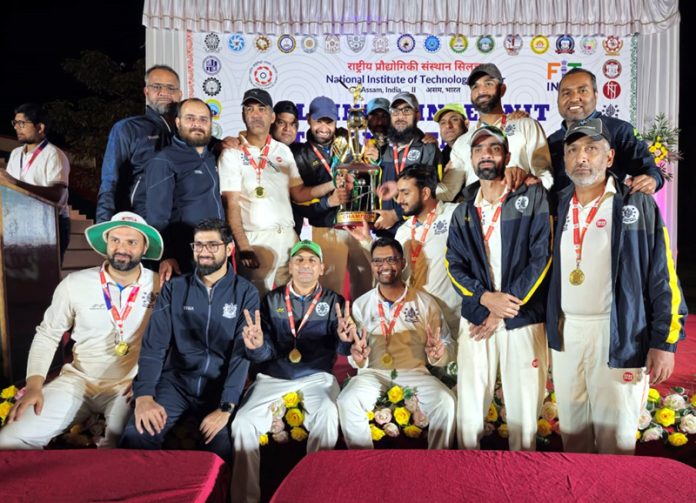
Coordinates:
264	158
398	305
119	318
400	167
291	316
578	233
38	150
496	216
323	161
503	122
417	246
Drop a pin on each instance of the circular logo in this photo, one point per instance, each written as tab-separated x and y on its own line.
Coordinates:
322	309
539	44
263	74
612	90
406	43
628	376
565	45
458	43
611	69
355	42
212	86
309	44
521	203
262	43
588	45
601	223
212	65
513	44
286	44
485	44
380	44
332	44
630	214
215	107
413	155
236	42
217	130
212	42
432	43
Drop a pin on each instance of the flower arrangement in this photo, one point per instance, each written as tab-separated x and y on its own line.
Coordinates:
288	420
8	397
670	419
397	411
662	139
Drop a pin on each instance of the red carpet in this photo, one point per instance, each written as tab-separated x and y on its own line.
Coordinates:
685	361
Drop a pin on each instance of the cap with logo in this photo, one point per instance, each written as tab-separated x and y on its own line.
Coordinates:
258	95
306	244
96	234
594	128
485	69
322	107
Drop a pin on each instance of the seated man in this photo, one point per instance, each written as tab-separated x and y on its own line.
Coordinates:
293	342
400	327
107	338
197	328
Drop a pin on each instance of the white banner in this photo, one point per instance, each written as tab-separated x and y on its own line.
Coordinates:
299	68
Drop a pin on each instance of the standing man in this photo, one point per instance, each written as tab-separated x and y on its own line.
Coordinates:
615	307
39	166
183	187
192	358
378	120
498	254
257	182
453	123
401	328
107	309
286	123
577	101
293	342
134	141
529	152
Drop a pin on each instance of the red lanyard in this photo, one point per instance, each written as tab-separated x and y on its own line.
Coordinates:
496	216
579	234
118	317
38	150
503	122
291	316
264	158
387	330
417	246
400	167
321	158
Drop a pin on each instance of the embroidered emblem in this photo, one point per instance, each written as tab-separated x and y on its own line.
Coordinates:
440	227
521	203
630	214
229	311
322	309
410	315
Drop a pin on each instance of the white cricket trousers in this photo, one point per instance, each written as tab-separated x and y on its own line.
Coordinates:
272	248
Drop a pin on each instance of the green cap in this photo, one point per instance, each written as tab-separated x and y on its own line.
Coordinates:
96	234
306	244
452	107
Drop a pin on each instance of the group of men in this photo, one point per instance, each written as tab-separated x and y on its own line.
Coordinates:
512	245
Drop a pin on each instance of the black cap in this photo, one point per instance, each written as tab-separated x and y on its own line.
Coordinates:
594	128
286	107
485	69
258	95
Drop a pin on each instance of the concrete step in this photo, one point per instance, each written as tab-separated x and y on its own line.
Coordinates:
76	215
81	259
78	242
79	226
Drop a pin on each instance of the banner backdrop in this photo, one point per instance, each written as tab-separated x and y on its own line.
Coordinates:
299	68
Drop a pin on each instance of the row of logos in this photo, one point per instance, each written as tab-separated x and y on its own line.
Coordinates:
513	44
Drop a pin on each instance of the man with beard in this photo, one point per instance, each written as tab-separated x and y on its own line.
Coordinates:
529	152
285	127
498	254
258	180
577	101
134	141
183	187
399	328
315	163
615	307
107	309
378	120
39	166
192	357
293	343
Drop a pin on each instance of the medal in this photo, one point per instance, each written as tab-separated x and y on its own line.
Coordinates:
577	277
387	330
295	356
119	318
259	192
387	360
121	349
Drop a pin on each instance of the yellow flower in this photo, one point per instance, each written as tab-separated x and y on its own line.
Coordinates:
4	410
637	434
492	415
677	439
653	395
652	149
553	397
402	416
664	416
8	392
291	399
370	415
412	431
543	428
298	434
693	400
377	433
503	431
263	439
294	417
395	394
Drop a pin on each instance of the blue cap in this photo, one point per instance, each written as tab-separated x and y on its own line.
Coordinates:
377	104
322	107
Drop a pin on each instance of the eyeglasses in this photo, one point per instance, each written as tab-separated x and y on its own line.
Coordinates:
211	246
158	88
20	124
391	260
405	111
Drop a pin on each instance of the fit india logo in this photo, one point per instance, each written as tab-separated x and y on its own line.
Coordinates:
555	71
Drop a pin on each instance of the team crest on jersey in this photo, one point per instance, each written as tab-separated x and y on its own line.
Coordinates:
229	311
440	227
510	129
322	309
521	203
630	214
413	155
410	315
148	299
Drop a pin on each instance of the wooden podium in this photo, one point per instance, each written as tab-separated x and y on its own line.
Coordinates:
29	273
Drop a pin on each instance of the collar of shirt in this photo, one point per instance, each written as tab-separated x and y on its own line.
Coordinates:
438	211
609	188
482	202
111	281
306	296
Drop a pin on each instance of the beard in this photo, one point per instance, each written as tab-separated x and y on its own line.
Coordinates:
121	264
195	141
166	109
210	268
402	137
491	105
494	172
416	209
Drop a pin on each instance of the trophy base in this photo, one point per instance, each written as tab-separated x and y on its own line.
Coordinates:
354	218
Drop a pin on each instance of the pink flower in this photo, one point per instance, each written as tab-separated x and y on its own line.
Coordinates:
556	427
391	430
277	409
277	426
411	404
654	433
503	414
383	416
281	437
549	411
420	419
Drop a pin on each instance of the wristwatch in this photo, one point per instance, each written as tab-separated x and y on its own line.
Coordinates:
226	406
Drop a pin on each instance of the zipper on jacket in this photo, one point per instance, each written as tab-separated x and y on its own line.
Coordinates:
207	346
135	189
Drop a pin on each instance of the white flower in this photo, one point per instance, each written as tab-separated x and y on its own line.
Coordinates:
644	419
549	411
277	409
688	424
391	430
281	437
277	425
674	402
654	433
383	416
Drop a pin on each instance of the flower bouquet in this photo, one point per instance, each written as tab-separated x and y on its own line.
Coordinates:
8	397
670	419
397	411
288	420
662	139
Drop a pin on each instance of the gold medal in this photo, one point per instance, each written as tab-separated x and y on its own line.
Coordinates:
295	356
121	348
387	360
259	192
577	277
